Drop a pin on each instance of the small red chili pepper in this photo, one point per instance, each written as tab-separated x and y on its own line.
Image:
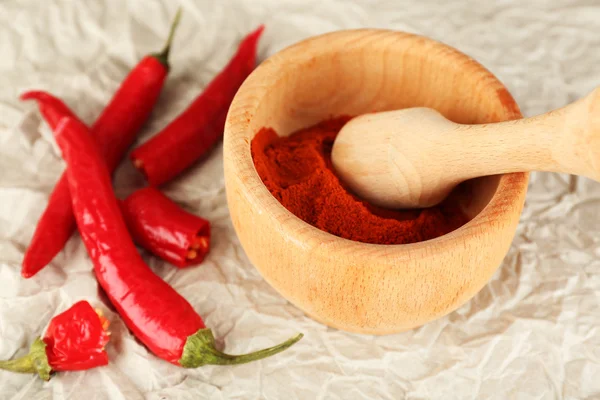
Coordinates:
201	125
74	341
157	315
115	130
165	229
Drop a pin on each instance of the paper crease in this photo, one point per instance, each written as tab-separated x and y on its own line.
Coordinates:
531	333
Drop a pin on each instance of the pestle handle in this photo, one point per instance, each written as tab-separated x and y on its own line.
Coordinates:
565	140
414	157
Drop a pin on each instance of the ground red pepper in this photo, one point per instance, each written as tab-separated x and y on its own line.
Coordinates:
298	171
74	341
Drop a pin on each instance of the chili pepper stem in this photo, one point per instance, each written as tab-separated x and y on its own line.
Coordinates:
34	362
200	350
163	55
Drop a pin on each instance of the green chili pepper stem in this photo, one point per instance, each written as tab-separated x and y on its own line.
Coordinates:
163	55
200	350
34	362
23	365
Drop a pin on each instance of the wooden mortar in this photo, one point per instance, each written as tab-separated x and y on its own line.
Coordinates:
358	287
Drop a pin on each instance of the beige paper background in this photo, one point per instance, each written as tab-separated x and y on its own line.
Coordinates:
531	333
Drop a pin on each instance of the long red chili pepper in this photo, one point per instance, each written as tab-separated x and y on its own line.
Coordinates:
165	229
154	221
74	341
161	318
200	126
115	130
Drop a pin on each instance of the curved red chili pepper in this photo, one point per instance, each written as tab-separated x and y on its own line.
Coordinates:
74	341
115	130
200	126
156	223
161	318
162	227
51	108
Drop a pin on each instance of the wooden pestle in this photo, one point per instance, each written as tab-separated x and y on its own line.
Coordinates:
414	157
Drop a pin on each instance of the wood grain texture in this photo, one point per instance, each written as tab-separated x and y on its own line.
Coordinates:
353	286
414	157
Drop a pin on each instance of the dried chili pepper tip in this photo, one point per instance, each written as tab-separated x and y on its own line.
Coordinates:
255	35
163	55
74	340
36	95
51	107
200	350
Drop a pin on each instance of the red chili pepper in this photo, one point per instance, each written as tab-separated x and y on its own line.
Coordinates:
74	341
161	318
162	227
115	130
201	125
155	222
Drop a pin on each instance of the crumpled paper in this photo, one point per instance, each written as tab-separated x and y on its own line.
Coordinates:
531	333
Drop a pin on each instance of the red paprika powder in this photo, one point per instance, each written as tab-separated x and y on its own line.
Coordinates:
298	171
